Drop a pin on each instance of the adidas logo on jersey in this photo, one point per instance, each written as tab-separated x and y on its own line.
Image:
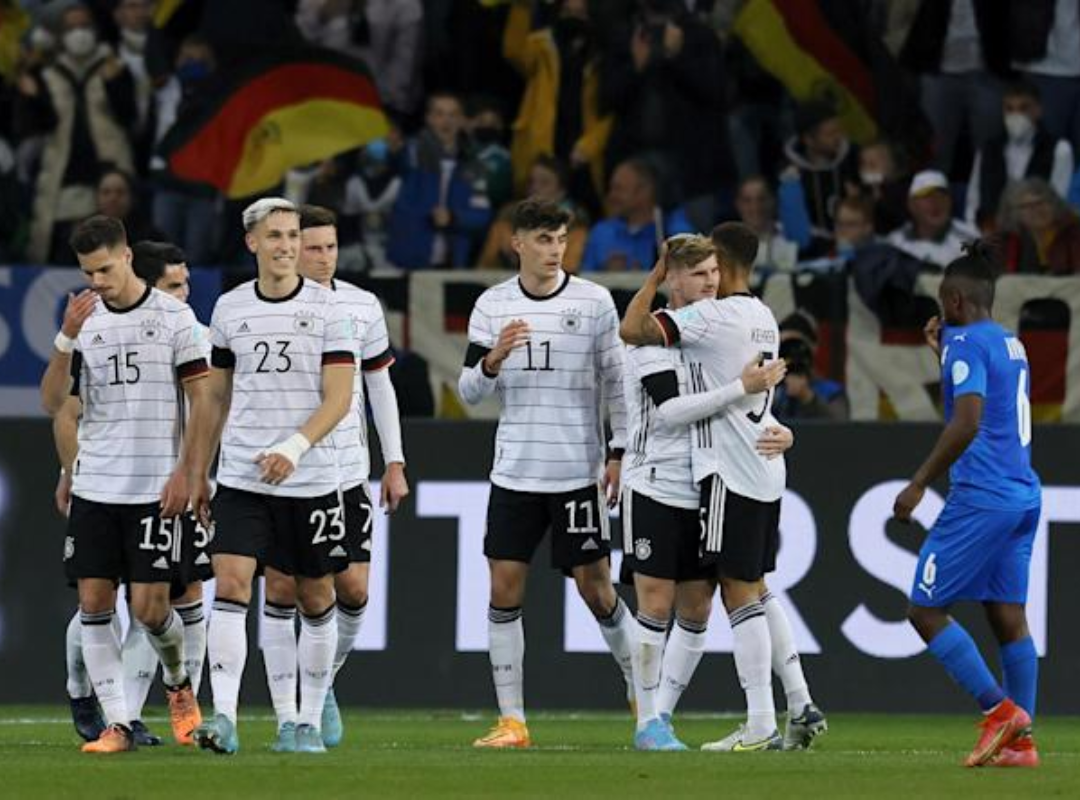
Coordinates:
244	328
97	339
161	563
202	559
338	552
590	544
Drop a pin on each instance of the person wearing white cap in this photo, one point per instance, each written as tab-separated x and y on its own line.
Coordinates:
932	234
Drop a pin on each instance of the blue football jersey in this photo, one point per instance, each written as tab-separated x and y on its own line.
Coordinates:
995	470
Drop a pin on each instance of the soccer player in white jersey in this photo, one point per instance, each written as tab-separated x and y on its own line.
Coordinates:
126	350
661	529
282	365
163	266
318	262
740	487
547	343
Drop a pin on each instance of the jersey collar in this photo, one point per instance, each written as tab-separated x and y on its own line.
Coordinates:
540	298
133	306
291	295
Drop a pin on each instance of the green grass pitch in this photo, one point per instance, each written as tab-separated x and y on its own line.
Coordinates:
417	754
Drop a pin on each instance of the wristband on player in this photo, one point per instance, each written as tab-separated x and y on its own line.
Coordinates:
64	343
292	448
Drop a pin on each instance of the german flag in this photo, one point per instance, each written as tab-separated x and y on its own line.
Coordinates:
277	111
814	57
14	22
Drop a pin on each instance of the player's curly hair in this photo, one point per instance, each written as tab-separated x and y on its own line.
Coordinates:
975	271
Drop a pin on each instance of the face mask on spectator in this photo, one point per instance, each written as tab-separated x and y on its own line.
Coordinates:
376	151
192	71
41	39
80	42
1019	126
134	40
872	178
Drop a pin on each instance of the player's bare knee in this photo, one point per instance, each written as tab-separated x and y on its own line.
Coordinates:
280	588
192	594
737	593
351	586
151	609
314	595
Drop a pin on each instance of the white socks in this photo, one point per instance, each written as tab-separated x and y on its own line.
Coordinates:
753	660
785	658
101	653
506	648
648	655
168	643
194	641
279	652
681	657
349	621
227	651
618	631
140	666
78	682
318	645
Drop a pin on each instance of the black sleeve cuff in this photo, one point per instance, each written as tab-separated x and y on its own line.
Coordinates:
223	358
661	386
474	354
76	372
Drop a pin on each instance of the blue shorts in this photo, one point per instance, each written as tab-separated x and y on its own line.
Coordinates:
975	554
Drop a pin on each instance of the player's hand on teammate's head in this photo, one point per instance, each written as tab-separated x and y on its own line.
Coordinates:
79	308
758	376
274	468
395	487
932	334
775	441
907	501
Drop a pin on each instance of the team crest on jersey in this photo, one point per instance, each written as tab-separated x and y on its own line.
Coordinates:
642	549
151	330
570	320
304	322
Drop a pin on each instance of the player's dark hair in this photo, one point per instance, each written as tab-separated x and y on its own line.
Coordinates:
736	244
539	215
96	232
973	274
149	259
316	217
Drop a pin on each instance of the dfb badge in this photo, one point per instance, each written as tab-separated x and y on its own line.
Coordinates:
642	549
304	322
571	320
151	330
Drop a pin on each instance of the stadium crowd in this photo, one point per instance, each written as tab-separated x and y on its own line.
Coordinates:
647	118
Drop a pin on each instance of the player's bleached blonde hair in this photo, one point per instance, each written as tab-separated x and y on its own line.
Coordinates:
687	250
263	208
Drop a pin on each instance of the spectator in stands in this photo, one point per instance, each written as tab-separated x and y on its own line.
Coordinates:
1041	234
82	103
116	197
667	95
487	130
1043	44
629	238
823	160
132	19
959	49
1026	150
387	34
933	234
547	181
854	225
442	206
885	180
186	213
804	395
756	206
560	113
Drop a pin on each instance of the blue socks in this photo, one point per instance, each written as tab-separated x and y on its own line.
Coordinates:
956	651
1020	666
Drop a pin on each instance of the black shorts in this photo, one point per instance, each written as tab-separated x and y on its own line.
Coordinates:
117	541
578	520
294	535
661	541
359	521
194	555
741	536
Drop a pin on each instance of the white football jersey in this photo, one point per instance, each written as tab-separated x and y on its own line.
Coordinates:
276	348
372	348
719	338
127	370
657	460
551	429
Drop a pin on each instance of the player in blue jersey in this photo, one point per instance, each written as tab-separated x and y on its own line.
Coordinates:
979	549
